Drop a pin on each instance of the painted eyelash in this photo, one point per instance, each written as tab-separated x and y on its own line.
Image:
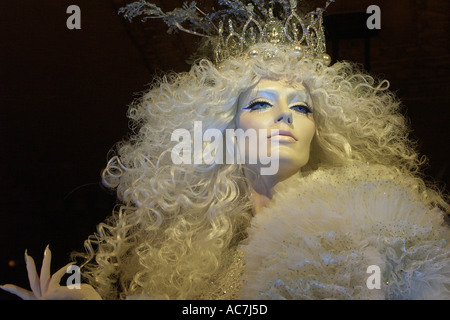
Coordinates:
305	105
255	102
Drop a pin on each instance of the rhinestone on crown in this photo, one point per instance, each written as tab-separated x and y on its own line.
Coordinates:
248	24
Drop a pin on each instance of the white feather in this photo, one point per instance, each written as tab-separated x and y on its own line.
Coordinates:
321	235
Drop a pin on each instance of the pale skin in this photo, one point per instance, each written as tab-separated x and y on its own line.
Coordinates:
269	105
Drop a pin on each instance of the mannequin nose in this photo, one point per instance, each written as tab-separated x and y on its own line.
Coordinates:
285	116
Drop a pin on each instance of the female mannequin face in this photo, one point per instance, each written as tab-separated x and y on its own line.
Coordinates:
272	105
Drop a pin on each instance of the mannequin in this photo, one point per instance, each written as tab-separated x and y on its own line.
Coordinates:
348	193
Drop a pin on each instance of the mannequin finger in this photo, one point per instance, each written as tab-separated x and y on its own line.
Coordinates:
89	293
18	291
32	275
45	270
85	292
56	278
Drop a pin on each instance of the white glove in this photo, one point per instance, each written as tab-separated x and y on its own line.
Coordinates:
47	287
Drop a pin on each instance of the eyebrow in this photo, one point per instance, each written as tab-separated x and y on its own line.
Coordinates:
273	94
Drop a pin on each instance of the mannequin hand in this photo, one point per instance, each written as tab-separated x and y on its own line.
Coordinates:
47	287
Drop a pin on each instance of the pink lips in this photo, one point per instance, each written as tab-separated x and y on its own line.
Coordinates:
283	133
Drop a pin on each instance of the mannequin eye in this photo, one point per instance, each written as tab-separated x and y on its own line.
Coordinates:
302	108
258	106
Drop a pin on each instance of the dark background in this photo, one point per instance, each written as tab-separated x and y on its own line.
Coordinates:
64	96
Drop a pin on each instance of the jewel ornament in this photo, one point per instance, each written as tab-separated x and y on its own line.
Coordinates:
248	24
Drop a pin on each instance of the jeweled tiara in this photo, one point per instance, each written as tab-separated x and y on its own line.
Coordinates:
248	24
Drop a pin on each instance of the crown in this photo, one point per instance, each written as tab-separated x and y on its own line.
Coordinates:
248	24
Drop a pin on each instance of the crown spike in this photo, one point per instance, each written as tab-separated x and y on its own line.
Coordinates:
293	5
253	38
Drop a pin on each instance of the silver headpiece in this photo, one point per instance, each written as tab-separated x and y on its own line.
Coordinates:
248	24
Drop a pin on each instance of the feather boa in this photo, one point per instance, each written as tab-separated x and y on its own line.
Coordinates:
321	235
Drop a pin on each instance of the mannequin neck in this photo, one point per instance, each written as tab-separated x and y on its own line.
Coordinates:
263	188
